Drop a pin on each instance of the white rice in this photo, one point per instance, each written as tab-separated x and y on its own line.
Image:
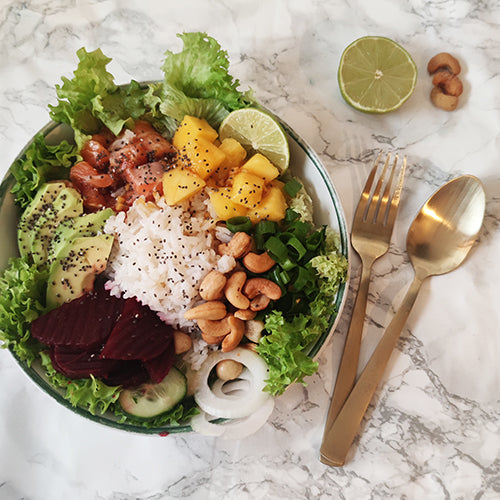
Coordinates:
162	253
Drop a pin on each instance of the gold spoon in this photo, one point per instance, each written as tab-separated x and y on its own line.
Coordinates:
438	241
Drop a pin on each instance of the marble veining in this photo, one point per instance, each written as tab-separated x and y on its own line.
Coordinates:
432	430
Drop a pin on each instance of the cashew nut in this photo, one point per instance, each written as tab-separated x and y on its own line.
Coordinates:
212	309
212	328
233	338
258	263
442	100
449	83
233	290
253	330
257	286
211	339
239	245
228	369
259	303
182	342
245	314
212	286
443	60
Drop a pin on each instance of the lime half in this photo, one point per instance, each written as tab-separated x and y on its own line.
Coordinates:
259	132
376	75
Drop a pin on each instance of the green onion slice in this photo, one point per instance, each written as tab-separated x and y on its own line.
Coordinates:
239	224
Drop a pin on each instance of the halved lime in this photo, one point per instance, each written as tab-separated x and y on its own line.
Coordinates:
376	75
258	132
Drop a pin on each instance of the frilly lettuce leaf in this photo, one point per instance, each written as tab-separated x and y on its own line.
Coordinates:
40	163
197	81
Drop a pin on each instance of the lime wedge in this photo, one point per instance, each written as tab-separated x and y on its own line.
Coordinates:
376	75
257	132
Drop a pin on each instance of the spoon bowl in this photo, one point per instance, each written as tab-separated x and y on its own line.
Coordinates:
438	241
446	227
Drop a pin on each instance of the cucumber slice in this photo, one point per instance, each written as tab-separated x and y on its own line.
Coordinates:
150	400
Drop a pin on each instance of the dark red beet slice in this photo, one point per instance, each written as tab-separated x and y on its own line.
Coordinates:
78	363
159	367
127	374
85	322
138	334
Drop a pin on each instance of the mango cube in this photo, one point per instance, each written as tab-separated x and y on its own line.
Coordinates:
201	156
259	165
271	207
247	189
234	151
179	184
224	206
190	128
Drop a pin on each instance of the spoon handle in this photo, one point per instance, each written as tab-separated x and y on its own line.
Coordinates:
338	439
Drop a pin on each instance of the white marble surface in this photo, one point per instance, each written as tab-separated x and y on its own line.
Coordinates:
433	429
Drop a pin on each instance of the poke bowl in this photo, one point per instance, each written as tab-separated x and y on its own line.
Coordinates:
304	165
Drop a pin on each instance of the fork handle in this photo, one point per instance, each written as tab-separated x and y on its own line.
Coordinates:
343	431
349	363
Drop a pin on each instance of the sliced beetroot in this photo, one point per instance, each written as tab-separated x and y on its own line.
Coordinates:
127	374
85	322
159	366
138	334
78	363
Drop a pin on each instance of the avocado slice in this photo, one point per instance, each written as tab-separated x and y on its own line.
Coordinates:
68	204
83	225
73	270
42	201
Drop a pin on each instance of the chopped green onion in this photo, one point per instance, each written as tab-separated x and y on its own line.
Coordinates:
239	224
315	240
300	229
291	215
276	249
292	187
298	248
266	227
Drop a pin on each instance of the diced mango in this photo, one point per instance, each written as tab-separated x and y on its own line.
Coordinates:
179	184
247	189
224	206
272	206
259	165
190	128
201	156
234	151
235	156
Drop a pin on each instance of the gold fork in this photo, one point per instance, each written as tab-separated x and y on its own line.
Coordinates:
370	237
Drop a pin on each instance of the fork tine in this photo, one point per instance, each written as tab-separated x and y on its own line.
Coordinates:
365	195
393	207
384	205
375	201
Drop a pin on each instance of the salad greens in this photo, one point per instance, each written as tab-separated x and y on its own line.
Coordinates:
196	82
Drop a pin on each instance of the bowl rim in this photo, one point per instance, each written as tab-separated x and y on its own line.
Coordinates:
314	351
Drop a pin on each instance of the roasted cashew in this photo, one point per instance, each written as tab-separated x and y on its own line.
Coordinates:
245	314
182	342
212	286
443	60
258	263
228	369
442	100
257	286
233	292
213	328
451	84
233	338
213	309
253	330
212	339
239	245
259	303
